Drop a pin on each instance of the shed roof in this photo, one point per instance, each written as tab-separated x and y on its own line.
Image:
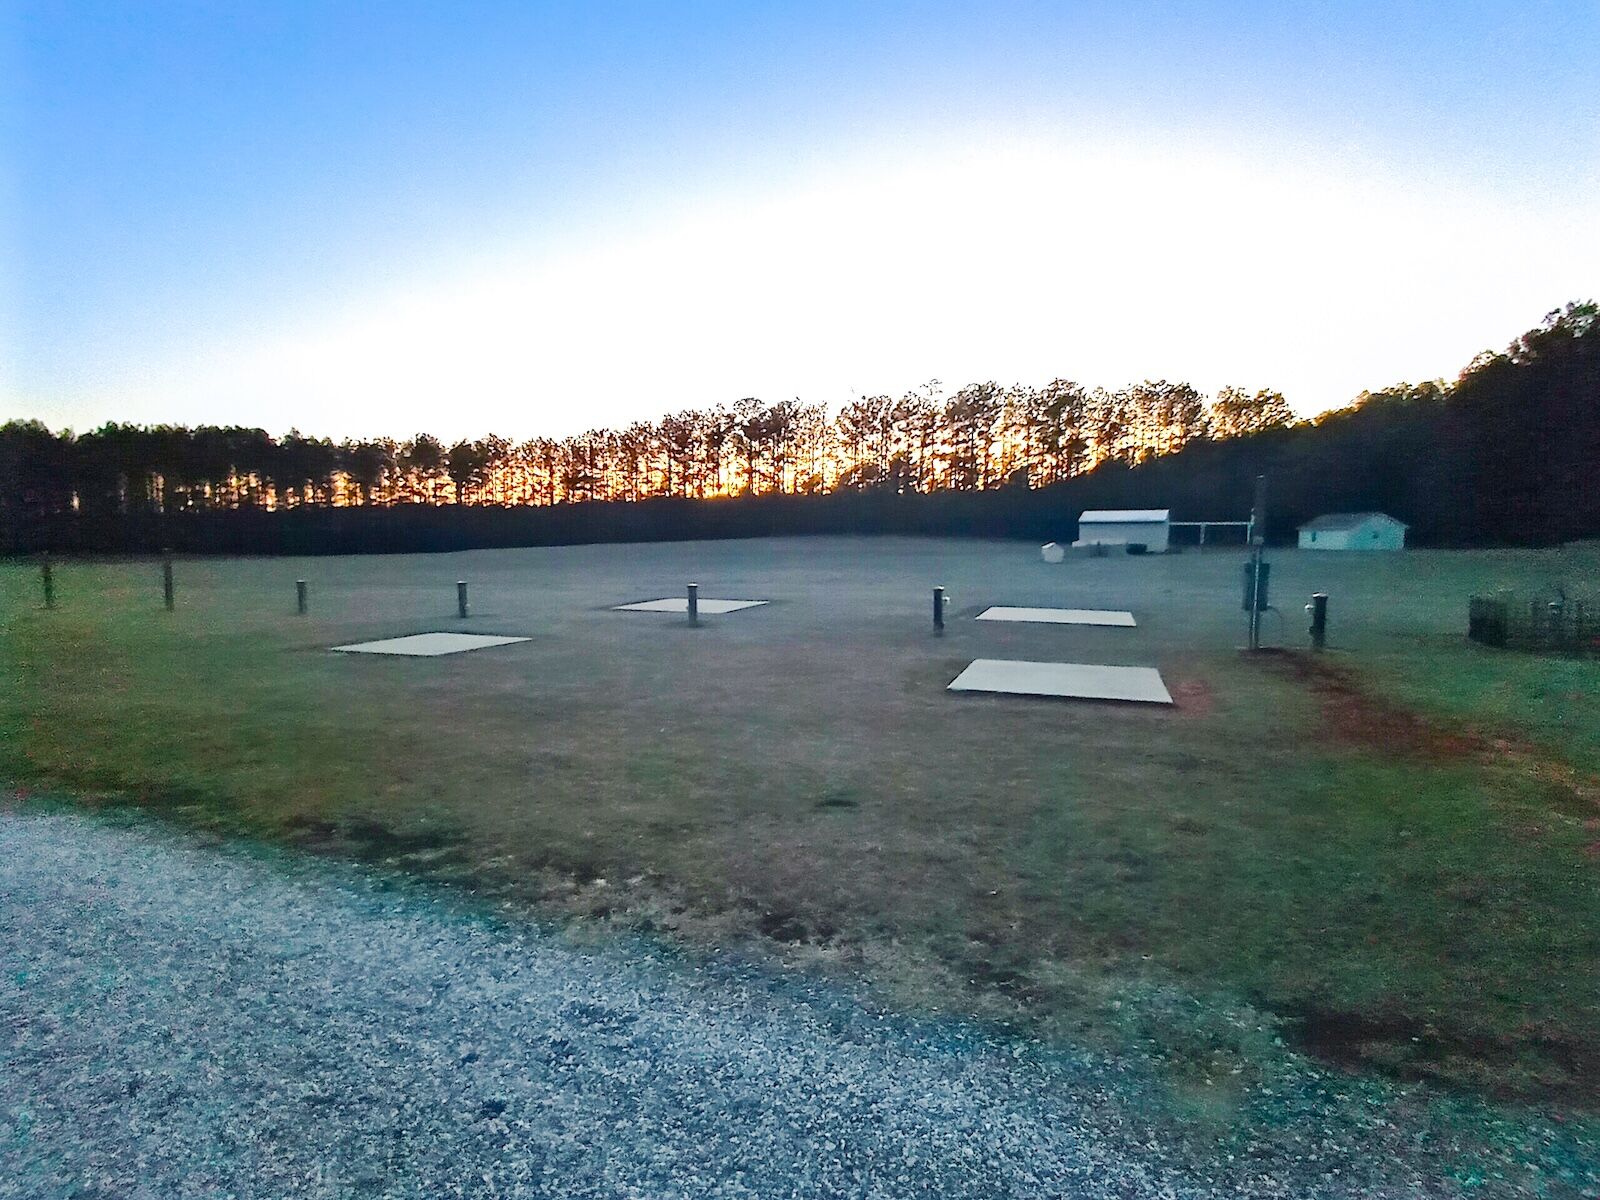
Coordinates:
1126	516
1333	521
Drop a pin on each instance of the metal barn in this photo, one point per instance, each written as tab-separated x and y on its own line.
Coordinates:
1147	527
1353	531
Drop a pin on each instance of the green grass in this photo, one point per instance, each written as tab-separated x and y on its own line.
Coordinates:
795	779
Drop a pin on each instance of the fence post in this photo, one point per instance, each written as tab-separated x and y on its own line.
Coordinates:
300	596
461	598
166	582
694	604
938	609
47	579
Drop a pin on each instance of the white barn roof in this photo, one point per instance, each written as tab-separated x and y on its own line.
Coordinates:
1333	521
1126	516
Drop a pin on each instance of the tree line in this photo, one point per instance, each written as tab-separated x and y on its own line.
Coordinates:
1503	454
982	436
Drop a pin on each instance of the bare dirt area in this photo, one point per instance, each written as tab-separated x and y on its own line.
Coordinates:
1353	713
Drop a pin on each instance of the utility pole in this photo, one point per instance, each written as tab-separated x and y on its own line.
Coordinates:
1258	525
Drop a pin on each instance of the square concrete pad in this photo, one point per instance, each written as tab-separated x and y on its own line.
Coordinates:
1059	616
681	604
430	645
1077	681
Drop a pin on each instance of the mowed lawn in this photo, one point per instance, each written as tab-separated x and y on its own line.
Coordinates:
1389	855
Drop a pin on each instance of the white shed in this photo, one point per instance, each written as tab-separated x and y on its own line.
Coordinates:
1353	531
1147	527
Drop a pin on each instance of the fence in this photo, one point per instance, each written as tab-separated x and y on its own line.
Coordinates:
1557	623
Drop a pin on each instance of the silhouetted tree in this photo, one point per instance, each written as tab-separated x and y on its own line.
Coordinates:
1236	413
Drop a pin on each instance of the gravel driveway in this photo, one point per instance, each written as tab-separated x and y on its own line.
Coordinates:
181	1019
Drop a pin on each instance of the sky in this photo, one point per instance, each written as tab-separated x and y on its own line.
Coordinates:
526	218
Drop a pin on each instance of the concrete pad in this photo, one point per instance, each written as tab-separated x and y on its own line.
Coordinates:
430	645
680	604
1060	616
1076	681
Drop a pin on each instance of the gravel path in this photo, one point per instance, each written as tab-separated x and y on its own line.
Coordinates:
178	1019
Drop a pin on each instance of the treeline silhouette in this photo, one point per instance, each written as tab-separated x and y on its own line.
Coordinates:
1505	454
980	437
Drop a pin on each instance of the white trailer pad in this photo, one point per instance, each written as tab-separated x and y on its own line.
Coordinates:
1060	616
681	604
1077	681
430	645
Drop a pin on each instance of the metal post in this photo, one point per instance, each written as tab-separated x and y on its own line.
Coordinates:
1258	517
694	604
166	583
300	596
1318	608
938	609
47	578
461	598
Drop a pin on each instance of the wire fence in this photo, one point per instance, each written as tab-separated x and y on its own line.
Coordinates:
1557	623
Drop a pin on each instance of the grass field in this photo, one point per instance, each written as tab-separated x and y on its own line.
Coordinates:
1388	855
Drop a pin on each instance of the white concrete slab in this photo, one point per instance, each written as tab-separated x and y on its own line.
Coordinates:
1060	616
1077	681
430	645
680	604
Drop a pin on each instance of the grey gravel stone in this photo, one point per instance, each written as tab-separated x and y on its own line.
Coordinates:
178	1019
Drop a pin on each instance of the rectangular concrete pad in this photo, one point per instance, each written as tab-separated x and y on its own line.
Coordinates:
1076	681
1060	616
430	645
681	604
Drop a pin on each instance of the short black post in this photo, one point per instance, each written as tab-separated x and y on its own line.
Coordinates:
48	579
166	583
694	604
461	598
300	596
1319	620
938	609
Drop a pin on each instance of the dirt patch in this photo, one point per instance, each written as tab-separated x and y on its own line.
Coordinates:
1414	1049
1584	791
793	928
1356	716
1193	697
1352	714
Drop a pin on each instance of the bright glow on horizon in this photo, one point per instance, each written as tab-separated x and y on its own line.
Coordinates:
1018	262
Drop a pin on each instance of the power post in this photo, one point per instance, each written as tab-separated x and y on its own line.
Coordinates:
1258	525
1317	610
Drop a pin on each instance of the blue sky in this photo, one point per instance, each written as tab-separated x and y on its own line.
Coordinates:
360	219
